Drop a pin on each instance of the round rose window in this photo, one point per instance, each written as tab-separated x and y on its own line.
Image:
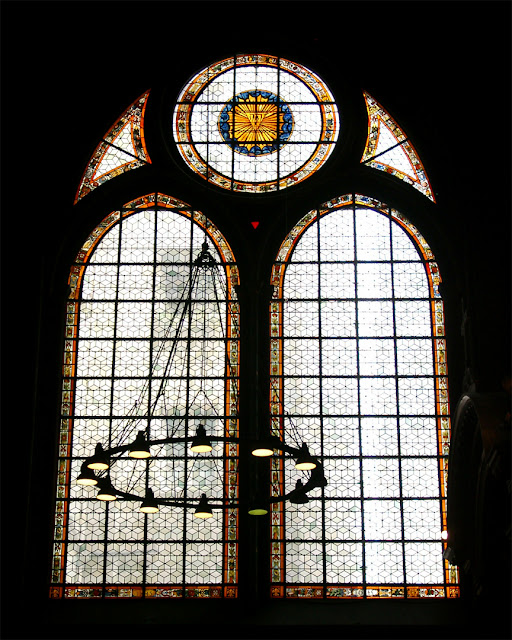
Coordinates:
255	123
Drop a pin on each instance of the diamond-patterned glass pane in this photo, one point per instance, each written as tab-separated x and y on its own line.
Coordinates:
358	376
138	358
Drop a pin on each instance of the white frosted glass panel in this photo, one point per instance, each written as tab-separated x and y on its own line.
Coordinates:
344	478
300	357
133	320
94	358
416	396
84	563
418	434
304	562
301	318
97	320
164	563
125	562
343	520
138	238
376	357
384	562
100	282
339	396
410	280
380	478
414	357
92	397
378	396
374	280
372	235
375	318
338	318
302	395
341	436
382	519
203	563
422	519
337	281
403	246
413	318
307	249
420	477
344	562
125	521
337	236
301	281
424	562
339	357
304	522
379	437
86	520
107	249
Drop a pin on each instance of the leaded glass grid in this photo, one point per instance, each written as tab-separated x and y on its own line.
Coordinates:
255	123
122	149
388	149
126	294
358	373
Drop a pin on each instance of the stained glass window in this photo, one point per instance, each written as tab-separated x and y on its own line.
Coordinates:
388	149
358	373
255	123
122	148
152	344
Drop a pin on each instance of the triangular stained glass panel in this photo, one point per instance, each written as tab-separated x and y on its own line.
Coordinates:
388	149
123	148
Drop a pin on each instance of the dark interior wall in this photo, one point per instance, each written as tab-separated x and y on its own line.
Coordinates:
70	69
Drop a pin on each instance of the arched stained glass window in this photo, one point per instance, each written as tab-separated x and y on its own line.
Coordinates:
152	345
358	373
255	123
123	148
388	149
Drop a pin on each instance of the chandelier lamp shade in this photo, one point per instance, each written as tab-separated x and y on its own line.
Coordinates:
87	477
203	509
99	461
305	461
201	443
149	505
106	492
140	448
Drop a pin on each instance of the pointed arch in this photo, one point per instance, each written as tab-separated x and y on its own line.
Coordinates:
358	373
388	149
138	356
122	148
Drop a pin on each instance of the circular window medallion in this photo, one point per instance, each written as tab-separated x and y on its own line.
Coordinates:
255	123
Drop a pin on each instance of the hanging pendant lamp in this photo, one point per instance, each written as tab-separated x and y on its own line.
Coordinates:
305	461
140	448
201	443
203	509
99	461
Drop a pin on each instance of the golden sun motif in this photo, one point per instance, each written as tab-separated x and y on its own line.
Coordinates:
254	121
256	124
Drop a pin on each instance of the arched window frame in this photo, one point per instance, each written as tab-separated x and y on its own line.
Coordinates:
70	460
283	426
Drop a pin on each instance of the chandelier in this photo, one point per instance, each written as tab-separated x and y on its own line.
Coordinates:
191	316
